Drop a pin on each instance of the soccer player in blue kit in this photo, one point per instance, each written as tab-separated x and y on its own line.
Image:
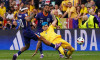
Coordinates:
28	34
44	16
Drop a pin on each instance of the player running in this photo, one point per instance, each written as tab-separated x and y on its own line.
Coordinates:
28	33
52	37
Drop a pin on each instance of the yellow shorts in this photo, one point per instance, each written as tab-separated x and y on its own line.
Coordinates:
63	45
59	40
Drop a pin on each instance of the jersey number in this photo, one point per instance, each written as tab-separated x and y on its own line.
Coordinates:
21	23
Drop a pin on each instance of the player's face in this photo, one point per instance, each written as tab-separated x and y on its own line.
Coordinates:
82	5
88	9
2	4
47	9
56	13
69	5
99	14
45	27
92	12
56	6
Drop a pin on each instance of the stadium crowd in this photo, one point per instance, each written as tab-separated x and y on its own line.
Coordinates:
84	13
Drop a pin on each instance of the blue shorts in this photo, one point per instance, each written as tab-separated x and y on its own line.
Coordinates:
28	35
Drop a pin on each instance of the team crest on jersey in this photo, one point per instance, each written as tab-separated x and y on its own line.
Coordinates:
46	33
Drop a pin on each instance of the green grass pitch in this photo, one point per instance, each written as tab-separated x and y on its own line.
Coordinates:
50	55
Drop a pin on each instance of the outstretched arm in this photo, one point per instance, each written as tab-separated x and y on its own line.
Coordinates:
55	20
64	14
39	42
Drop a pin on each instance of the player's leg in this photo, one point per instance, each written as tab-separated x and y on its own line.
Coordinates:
70	50
66	45
23	49
60	54
27	45
60	49
40	48
41	51
56	46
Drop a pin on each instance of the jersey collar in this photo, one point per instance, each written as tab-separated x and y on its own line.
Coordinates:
44	14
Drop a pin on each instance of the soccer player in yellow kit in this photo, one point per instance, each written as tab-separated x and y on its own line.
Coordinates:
54	38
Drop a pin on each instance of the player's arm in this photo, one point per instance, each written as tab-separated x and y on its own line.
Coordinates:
64	14
29	18
39	42
55	20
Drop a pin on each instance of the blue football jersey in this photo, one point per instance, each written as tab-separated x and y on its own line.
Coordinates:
23	23
42	18
27	32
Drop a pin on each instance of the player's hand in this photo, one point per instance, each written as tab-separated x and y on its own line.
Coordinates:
34	54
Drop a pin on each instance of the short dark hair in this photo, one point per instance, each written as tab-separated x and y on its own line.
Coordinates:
82	3
27	3
1	2
46	5
40	8
69	2
56	4
51	5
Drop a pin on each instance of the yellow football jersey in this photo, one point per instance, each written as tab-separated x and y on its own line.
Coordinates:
64	8
16	12
49	34
72	9
95	8
74	2
2	11
84	10
31	8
